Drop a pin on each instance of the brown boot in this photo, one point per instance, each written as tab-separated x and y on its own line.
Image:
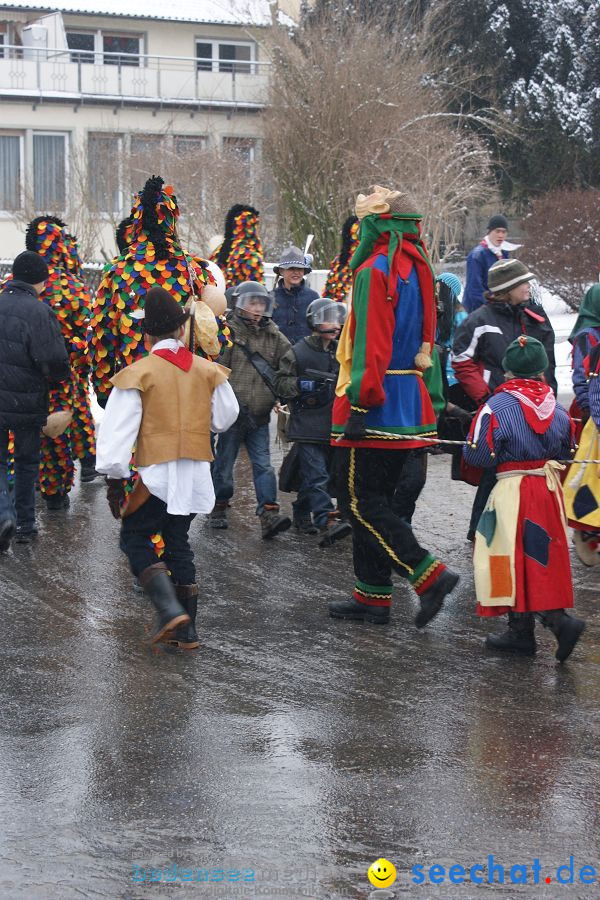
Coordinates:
185	637
159	589
271	522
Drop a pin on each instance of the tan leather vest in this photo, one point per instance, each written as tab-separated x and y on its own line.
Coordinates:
176	407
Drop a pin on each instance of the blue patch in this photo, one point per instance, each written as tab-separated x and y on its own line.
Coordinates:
487	525
584	502
536	542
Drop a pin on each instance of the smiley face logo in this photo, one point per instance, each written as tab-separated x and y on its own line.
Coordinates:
381	873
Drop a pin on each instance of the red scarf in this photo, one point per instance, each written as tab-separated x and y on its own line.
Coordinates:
182	357
536	399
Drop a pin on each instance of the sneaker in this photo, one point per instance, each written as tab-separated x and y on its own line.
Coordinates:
218	517
334	531
272	523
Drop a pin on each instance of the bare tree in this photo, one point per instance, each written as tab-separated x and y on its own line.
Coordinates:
562	244
351	108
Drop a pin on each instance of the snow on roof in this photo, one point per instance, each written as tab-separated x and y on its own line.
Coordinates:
214	12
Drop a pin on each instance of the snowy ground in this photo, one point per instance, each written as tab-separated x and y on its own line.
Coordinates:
562	319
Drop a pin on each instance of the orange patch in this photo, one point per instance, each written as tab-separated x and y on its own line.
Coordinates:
501	581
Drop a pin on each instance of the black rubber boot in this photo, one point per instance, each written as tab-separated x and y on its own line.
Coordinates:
218	517
519	637
272	522
7	532
185	637
566	629
57	501
88	469
170	614
360	612
433	598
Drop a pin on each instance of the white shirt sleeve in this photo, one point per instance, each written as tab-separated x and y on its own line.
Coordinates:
118	432
224	408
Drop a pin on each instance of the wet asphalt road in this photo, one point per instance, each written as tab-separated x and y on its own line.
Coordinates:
294	746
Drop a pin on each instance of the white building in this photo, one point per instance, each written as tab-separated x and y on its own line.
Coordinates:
92	96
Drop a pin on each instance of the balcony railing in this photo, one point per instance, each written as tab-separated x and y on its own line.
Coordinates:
46	74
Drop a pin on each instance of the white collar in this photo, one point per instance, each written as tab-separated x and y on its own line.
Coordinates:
168	344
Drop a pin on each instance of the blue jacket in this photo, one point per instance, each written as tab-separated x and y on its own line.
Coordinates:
479	262
289	313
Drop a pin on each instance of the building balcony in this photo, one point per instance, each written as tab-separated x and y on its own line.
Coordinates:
48	76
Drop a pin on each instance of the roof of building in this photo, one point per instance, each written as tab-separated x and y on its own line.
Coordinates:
215	12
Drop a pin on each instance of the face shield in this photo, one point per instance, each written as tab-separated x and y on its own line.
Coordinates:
326	316
254	306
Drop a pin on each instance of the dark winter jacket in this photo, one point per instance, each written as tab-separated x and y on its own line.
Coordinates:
482	339
252	393
310	419
32	353
289	313
479	262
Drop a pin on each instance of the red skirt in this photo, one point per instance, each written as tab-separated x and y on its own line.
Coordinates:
542	562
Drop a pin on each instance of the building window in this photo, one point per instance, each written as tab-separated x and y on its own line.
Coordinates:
121	50
104	48
225	56
10	172
104	153
84	42
243	148
49	172
188	144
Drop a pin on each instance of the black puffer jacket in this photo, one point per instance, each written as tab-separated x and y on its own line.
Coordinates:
32	353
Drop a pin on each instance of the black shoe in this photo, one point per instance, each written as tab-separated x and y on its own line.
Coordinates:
170	614
186	637
218	517
433	598
25	537
272	523
7	532
305	525
57	501
334	531
88	470
513	640
566	629
471	535
360	612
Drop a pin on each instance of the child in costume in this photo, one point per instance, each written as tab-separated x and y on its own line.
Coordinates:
382	408
310	400
521	557
166	404
339	278
240	255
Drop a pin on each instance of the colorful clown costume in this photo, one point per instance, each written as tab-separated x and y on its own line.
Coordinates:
339	278
382	408
240	255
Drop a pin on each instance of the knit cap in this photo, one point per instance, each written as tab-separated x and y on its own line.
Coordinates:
507	274
497	221
525	357
453	282
30	267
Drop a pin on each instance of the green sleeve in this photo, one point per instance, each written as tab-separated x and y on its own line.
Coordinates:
434	383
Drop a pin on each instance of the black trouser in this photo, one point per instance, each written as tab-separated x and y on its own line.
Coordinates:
150	518
411	483
27	466
486	485
381	539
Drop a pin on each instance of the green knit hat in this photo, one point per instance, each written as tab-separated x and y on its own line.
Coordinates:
525	357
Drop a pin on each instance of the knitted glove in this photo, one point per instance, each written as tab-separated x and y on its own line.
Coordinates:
355	426
115	494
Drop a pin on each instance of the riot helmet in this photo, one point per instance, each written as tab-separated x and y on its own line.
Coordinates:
253	300
327	313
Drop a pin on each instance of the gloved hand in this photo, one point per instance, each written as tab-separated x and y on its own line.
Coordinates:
355	426
306	385
115	494
463	415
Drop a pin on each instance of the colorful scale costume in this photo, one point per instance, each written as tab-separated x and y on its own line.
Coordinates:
240	256
152	255
339	280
